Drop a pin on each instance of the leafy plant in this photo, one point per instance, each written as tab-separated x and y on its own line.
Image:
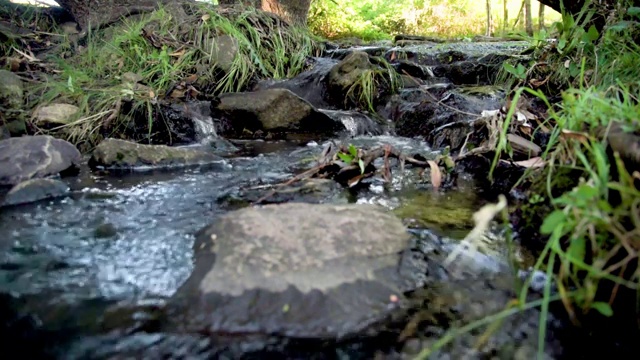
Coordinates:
352	157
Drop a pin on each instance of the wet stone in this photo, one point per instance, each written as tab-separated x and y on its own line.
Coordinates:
120	154
298	270
35	190
31	157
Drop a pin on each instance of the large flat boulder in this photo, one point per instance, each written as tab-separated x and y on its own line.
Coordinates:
122	154
277	113
30	157
297	270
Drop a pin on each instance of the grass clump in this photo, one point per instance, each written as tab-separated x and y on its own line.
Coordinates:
592	220
372	84
119	77
586	197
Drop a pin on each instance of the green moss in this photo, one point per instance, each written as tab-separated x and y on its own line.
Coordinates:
451	213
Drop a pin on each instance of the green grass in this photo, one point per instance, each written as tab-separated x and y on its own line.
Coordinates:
371	84
166	51
591	217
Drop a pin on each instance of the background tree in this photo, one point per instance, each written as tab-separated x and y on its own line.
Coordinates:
541	17
294	11
528	19
505	15
489	19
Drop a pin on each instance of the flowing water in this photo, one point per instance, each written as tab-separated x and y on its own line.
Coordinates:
130	237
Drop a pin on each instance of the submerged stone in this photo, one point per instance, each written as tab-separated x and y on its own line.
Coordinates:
29	157
298	270
35	190
121	154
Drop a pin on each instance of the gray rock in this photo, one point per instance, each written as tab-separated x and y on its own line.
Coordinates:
444	117
222	51
35	190
309	85
4	133
29	157
347	72
461	63
276	111
11	90
121	154
55	114
345	82
295	269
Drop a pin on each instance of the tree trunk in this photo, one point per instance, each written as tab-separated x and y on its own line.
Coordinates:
505	14
528	22
293	11
96	13
489	20
541	17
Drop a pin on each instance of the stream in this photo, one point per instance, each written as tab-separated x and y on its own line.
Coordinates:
89	275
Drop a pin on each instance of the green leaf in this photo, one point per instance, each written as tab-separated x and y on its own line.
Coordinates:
586	192
593	33
345	157
634	11
353	151
510	69
577	249
553	220
603	308
620	26
562	43
361	164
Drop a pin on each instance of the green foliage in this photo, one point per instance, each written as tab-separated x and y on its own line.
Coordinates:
164	52
352	156
371	84
380	19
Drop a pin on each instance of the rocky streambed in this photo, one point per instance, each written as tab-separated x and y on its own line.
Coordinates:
151	251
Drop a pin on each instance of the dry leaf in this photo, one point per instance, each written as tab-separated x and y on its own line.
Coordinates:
525	129
436	175
354	181
576	135
177	94
534	162
191	79
522	145
178	53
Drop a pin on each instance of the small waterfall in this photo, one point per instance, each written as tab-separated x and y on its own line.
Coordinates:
199	112
205	128
355	123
